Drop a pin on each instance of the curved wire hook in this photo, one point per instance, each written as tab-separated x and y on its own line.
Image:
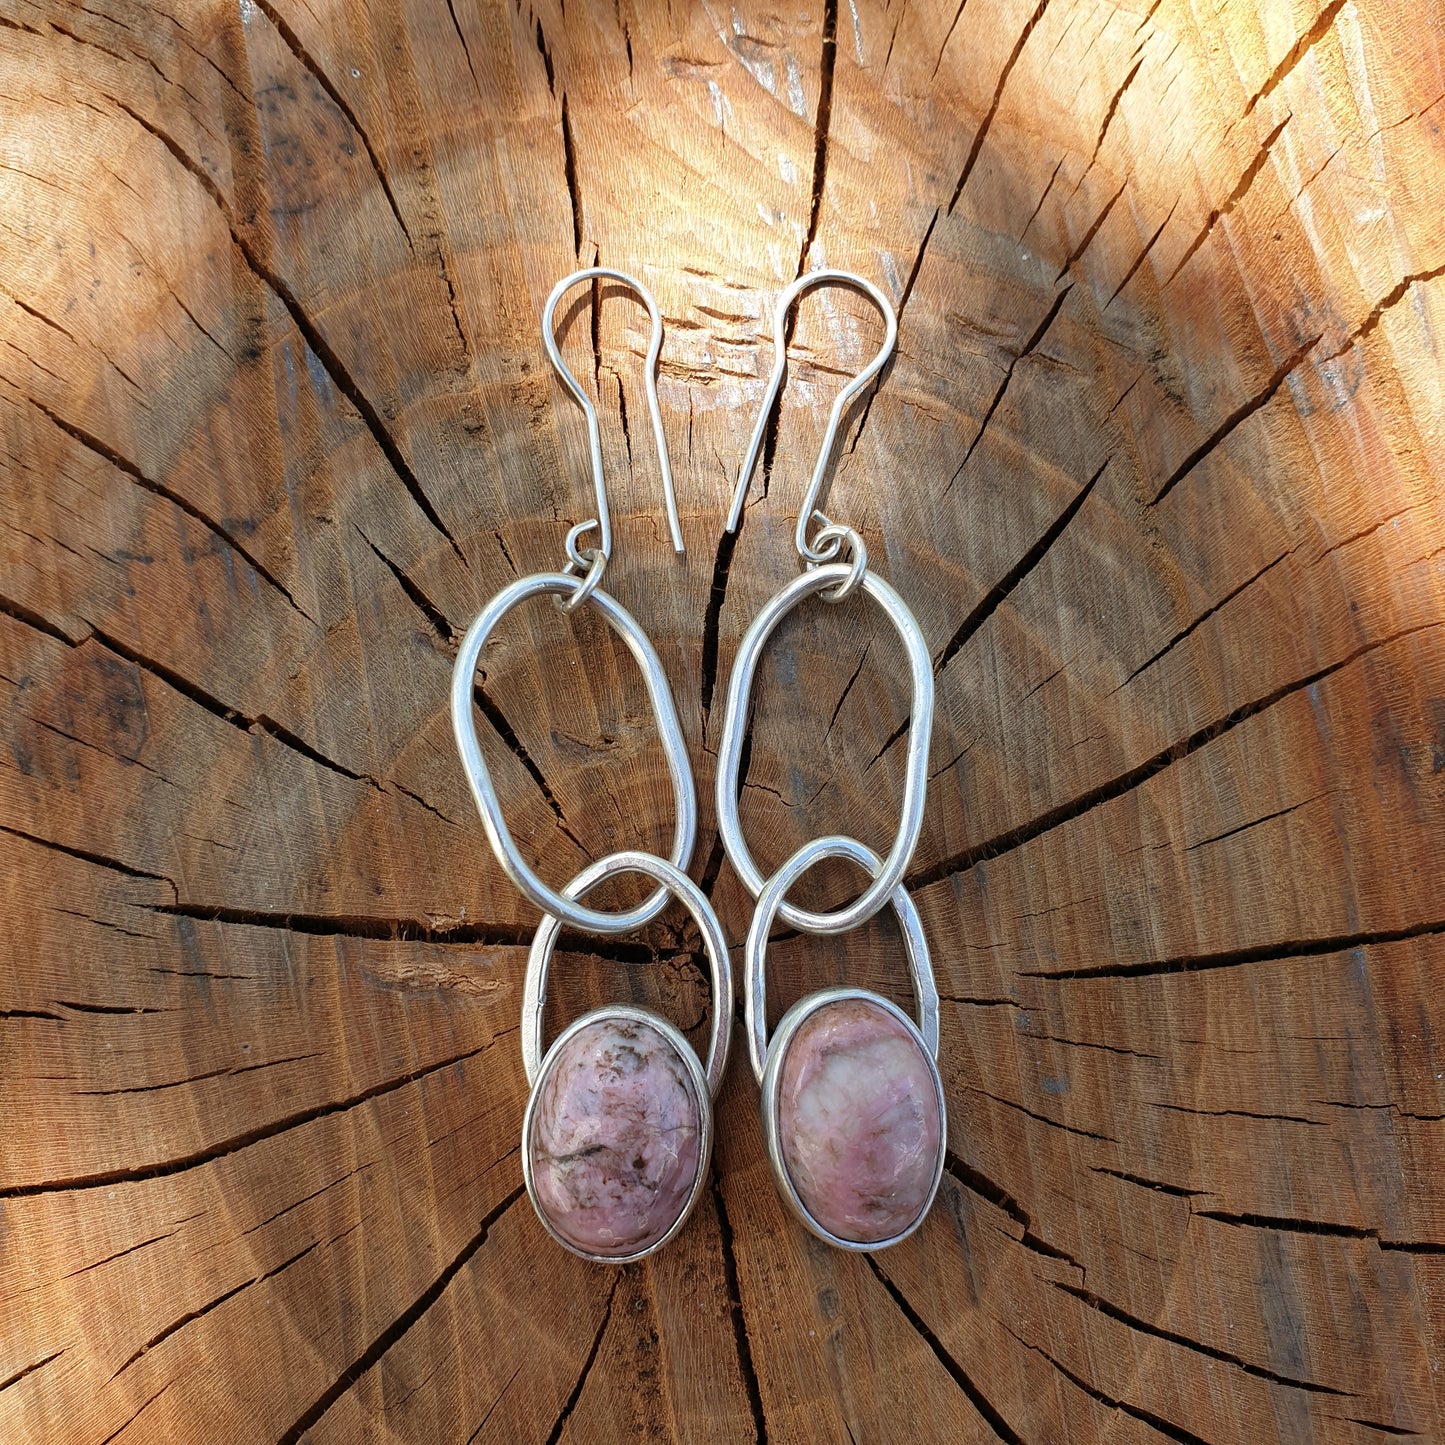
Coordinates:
830	437
603	520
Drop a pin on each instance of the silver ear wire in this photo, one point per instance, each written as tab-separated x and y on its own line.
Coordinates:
810	512
591	562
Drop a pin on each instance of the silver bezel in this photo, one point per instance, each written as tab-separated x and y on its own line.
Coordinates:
772	1083
696	1078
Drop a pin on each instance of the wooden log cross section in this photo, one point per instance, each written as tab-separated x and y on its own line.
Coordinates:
1156	464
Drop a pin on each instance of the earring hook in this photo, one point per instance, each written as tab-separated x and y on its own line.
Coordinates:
592	568
809	511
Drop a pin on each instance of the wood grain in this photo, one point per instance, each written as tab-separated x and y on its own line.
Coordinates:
1157	465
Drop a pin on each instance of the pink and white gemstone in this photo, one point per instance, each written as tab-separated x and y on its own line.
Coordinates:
615	1139
859	1122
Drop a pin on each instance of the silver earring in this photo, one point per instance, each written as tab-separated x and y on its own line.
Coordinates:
617	1135
853	1106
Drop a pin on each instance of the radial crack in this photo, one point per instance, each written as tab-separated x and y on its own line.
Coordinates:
399	1326
987	121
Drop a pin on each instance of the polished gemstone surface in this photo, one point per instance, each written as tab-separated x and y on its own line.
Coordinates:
616	1137
859	1123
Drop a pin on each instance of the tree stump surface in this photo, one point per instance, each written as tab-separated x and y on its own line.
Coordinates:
1156	466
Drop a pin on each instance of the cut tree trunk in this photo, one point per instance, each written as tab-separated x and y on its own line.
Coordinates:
1156	465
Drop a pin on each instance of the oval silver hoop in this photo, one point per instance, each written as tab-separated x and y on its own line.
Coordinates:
735	720
915	946
622	622
714	942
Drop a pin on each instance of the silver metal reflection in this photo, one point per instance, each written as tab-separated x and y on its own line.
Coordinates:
603	520
832	578
576	584
755	951
669	731
703	1082
714	942
735	721
810	510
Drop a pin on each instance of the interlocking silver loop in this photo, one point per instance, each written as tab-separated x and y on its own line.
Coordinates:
673	880
915	946
603	520
809	552
831	542
669	731
735	721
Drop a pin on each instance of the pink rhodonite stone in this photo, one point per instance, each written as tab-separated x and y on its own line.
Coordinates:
615	1138
858	1121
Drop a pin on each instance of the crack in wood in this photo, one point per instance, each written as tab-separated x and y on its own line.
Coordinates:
993	598
987	1411
1165	1427
1126	782
903	300
1028	348
1113	109
466	49
1235	196
216	1303
20	613
1114	1312
1139	261
1042	1118
1276	952
124	465
436	619
712	616
314	68
983	128
399	1326
743	1344
847	688
335	369
540	41
1202	618
821	125
136	1416
1254	823
491	1409
942	49
39	1364
165	1168
1158	1185
1077	253
569	169
396	929
1287	1225
86	856
1323	22
1239	415
1392	298
570	1404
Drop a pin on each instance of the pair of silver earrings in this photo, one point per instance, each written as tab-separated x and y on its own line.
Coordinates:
617	1134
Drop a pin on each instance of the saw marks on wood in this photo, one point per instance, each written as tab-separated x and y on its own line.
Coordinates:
1157	465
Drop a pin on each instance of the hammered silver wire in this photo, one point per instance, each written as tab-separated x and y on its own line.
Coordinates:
735	722
714	942
479	776
603	520
755	982
809	511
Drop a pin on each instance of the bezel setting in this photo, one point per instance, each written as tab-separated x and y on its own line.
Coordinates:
783	1036
697	1081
